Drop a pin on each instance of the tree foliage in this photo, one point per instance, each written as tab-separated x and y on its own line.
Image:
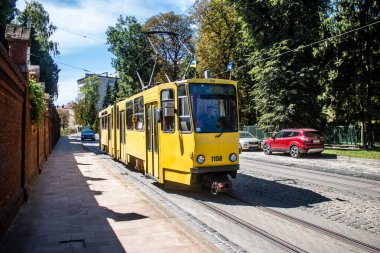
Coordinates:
219	36
85	110
173	55
221	39
79	111
128	44
42	29
107	100
352	83
292	63
41	45
64	118
7	13
285	84
37	101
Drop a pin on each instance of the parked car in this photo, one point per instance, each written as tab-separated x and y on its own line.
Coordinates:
294	141
87	134
247	141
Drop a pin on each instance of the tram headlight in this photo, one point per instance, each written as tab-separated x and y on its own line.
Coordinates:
200	159
233	157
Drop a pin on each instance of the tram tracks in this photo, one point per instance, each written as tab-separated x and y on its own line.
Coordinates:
335	235
258	231
278	241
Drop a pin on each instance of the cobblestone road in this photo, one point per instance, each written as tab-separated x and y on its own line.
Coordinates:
351	208
363	168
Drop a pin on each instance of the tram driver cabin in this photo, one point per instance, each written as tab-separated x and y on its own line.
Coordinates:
182	133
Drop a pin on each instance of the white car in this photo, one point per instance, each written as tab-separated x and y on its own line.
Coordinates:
247	141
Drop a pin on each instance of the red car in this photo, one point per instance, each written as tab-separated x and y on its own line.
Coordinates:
294	141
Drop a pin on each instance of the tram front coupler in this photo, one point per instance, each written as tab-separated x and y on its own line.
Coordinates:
218	186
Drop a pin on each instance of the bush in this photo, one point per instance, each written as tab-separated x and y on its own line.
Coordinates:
37	101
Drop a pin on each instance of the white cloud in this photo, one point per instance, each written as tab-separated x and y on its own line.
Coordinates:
91	18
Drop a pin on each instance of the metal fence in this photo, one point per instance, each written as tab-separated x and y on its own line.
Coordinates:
343	135
336	135
255	131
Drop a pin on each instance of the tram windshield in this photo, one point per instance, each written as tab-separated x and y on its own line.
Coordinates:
214	107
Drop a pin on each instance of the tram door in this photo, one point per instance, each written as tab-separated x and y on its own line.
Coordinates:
117	139
110	149
152	139
122	135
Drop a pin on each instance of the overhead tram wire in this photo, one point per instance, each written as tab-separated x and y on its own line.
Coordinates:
72	66
85	70
188	8
81	35
320	41
306	46
103	42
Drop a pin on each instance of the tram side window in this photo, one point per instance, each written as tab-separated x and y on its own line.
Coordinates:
129	115
167	105
103	122
110	121
183	110
139	113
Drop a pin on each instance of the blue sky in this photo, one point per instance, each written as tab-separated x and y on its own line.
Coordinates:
90	18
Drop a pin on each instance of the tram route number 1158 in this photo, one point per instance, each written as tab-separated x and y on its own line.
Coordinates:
216	158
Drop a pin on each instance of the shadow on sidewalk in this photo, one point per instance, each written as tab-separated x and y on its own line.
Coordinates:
63	208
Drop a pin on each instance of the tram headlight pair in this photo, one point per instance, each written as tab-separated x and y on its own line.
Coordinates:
200	159
233	157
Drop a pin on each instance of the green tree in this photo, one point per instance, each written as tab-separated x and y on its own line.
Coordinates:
85	110
7	13
285	75
128	44
115	91
64	117
42	29
79	109
37	101
41	45
352	85
173	55
221	39
108	97
218	36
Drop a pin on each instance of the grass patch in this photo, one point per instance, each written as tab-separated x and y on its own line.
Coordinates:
370	154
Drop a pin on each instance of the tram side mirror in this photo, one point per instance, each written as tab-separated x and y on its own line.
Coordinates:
168	109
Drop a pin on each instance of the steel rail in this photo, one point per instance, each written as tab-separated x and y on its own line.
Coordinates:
332	234
260	232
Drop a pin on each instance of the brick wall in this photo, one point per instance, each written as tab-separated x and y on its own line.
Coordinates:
23	146
18	51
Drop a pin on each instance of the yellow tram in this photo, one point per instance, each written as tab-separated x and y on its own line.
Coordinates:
179	133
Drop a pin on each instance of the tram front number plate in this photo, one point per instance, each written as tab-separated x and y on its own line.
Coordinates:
216	158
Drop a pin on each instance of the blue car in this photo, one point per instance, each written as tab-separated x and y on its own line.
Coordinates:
88	134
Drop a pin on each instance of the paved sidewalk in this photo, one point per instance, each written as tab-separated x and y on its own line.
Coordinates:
80	204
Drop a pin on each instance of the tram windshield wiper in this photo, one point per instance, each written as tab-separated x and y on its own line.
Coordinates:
220	134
